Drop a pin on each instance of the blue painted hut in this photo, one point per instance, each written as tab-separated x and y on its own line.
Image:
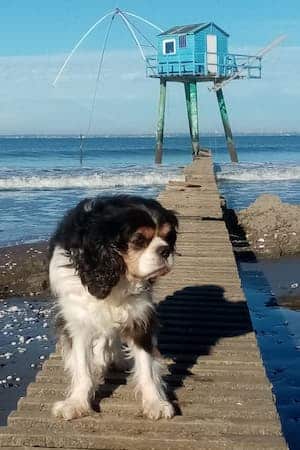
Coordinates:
197	53
200	49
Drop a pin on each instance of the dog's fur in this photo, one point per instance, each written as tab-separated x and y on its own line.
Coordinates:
105	256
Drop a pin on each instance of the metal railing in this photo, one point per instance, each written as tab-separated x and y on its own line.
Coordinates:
173	65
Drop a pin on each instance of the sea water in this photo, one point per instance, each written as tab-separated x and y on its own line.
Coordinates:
40	178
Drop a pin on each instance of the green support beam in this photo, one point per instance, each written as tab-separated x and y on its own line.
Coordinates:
192	107
188	104
226	125
161	122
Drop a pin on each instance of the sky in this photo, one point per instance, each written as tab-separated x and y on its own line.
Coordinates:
36	36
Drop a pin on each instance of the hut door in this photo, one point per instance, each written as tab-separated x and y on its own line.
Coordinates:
212	57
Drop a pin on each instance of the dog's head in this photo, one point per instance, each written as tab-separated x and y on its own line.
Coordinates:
113	236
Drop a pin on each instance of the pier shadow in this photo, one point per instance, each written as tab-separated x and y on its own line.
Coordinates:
240	245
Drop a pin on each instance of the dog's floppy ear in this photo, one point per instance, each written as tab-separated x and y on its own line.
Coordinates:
99	266
172	236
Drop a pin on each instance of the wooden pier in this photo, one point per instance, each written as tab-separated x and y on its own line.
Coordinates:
214	370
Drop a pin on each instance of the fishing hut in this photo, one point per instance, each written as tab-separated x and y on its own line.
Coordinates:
191	54
187	54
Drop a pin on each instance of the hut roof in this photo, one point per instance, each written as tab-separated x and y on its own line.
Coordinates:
191	28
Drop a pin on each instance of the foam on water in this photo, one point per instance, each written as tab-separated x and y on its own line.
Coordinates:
40	178
88	181
258	172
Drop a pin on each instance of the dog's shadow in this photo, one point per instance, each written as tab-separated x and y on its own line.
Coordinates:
192	321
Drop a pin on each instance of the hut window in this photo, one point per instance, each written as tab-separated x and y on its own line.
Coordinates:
182	41
169	47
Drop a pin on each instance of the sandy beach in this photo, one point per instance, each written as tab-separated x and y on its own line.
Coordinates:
24	271
271	227
26	311
26	339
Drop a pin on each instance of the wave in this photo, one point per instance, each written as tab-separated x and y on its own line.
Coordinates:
259	173
92	181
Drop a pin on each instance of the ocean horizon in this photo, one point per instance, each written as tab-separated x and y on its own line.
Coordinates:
141	135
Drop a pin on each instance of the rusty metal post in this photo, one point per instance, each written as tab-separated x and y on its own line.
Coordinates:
226	125
192	106
161	122
188	104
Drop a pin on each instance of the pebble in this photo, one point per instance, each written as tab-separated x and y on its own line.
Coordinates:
13	309
21	350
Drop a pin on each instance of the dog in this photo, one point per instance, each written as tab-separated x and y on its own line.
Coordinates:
104	258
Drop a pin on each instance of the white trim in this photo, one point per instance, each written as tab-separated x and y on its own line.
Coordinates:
166	41
212	53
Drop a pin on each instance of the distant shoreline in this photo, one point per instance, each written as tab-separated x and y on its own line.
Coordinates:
146	135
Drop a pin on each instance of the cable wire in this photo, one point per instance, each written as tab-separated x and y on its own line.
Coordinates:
97	81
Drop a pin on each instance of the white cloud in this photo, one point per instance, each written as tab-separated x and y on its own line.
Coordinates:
127	100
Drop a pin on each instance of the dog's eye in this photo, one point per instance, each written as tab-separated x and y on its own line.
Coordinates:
139	240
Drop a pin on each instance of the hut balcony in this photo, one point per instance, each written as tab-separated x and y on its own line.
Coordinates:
207	66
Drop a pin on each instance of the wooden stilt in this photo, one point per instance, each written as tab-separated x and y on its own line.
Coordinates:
226	125
161	122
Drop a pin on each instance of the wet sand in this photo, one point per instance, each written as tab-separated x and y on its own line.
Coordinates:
271	291
272	227
283	276
24	271
26	310
26	339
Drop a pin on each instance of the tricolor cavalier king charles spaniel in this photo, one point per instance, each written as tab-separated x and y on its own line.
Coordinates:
105	255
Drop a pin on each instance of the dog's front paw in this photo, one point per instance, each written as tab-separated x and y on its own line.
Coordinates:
158	409
70	409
